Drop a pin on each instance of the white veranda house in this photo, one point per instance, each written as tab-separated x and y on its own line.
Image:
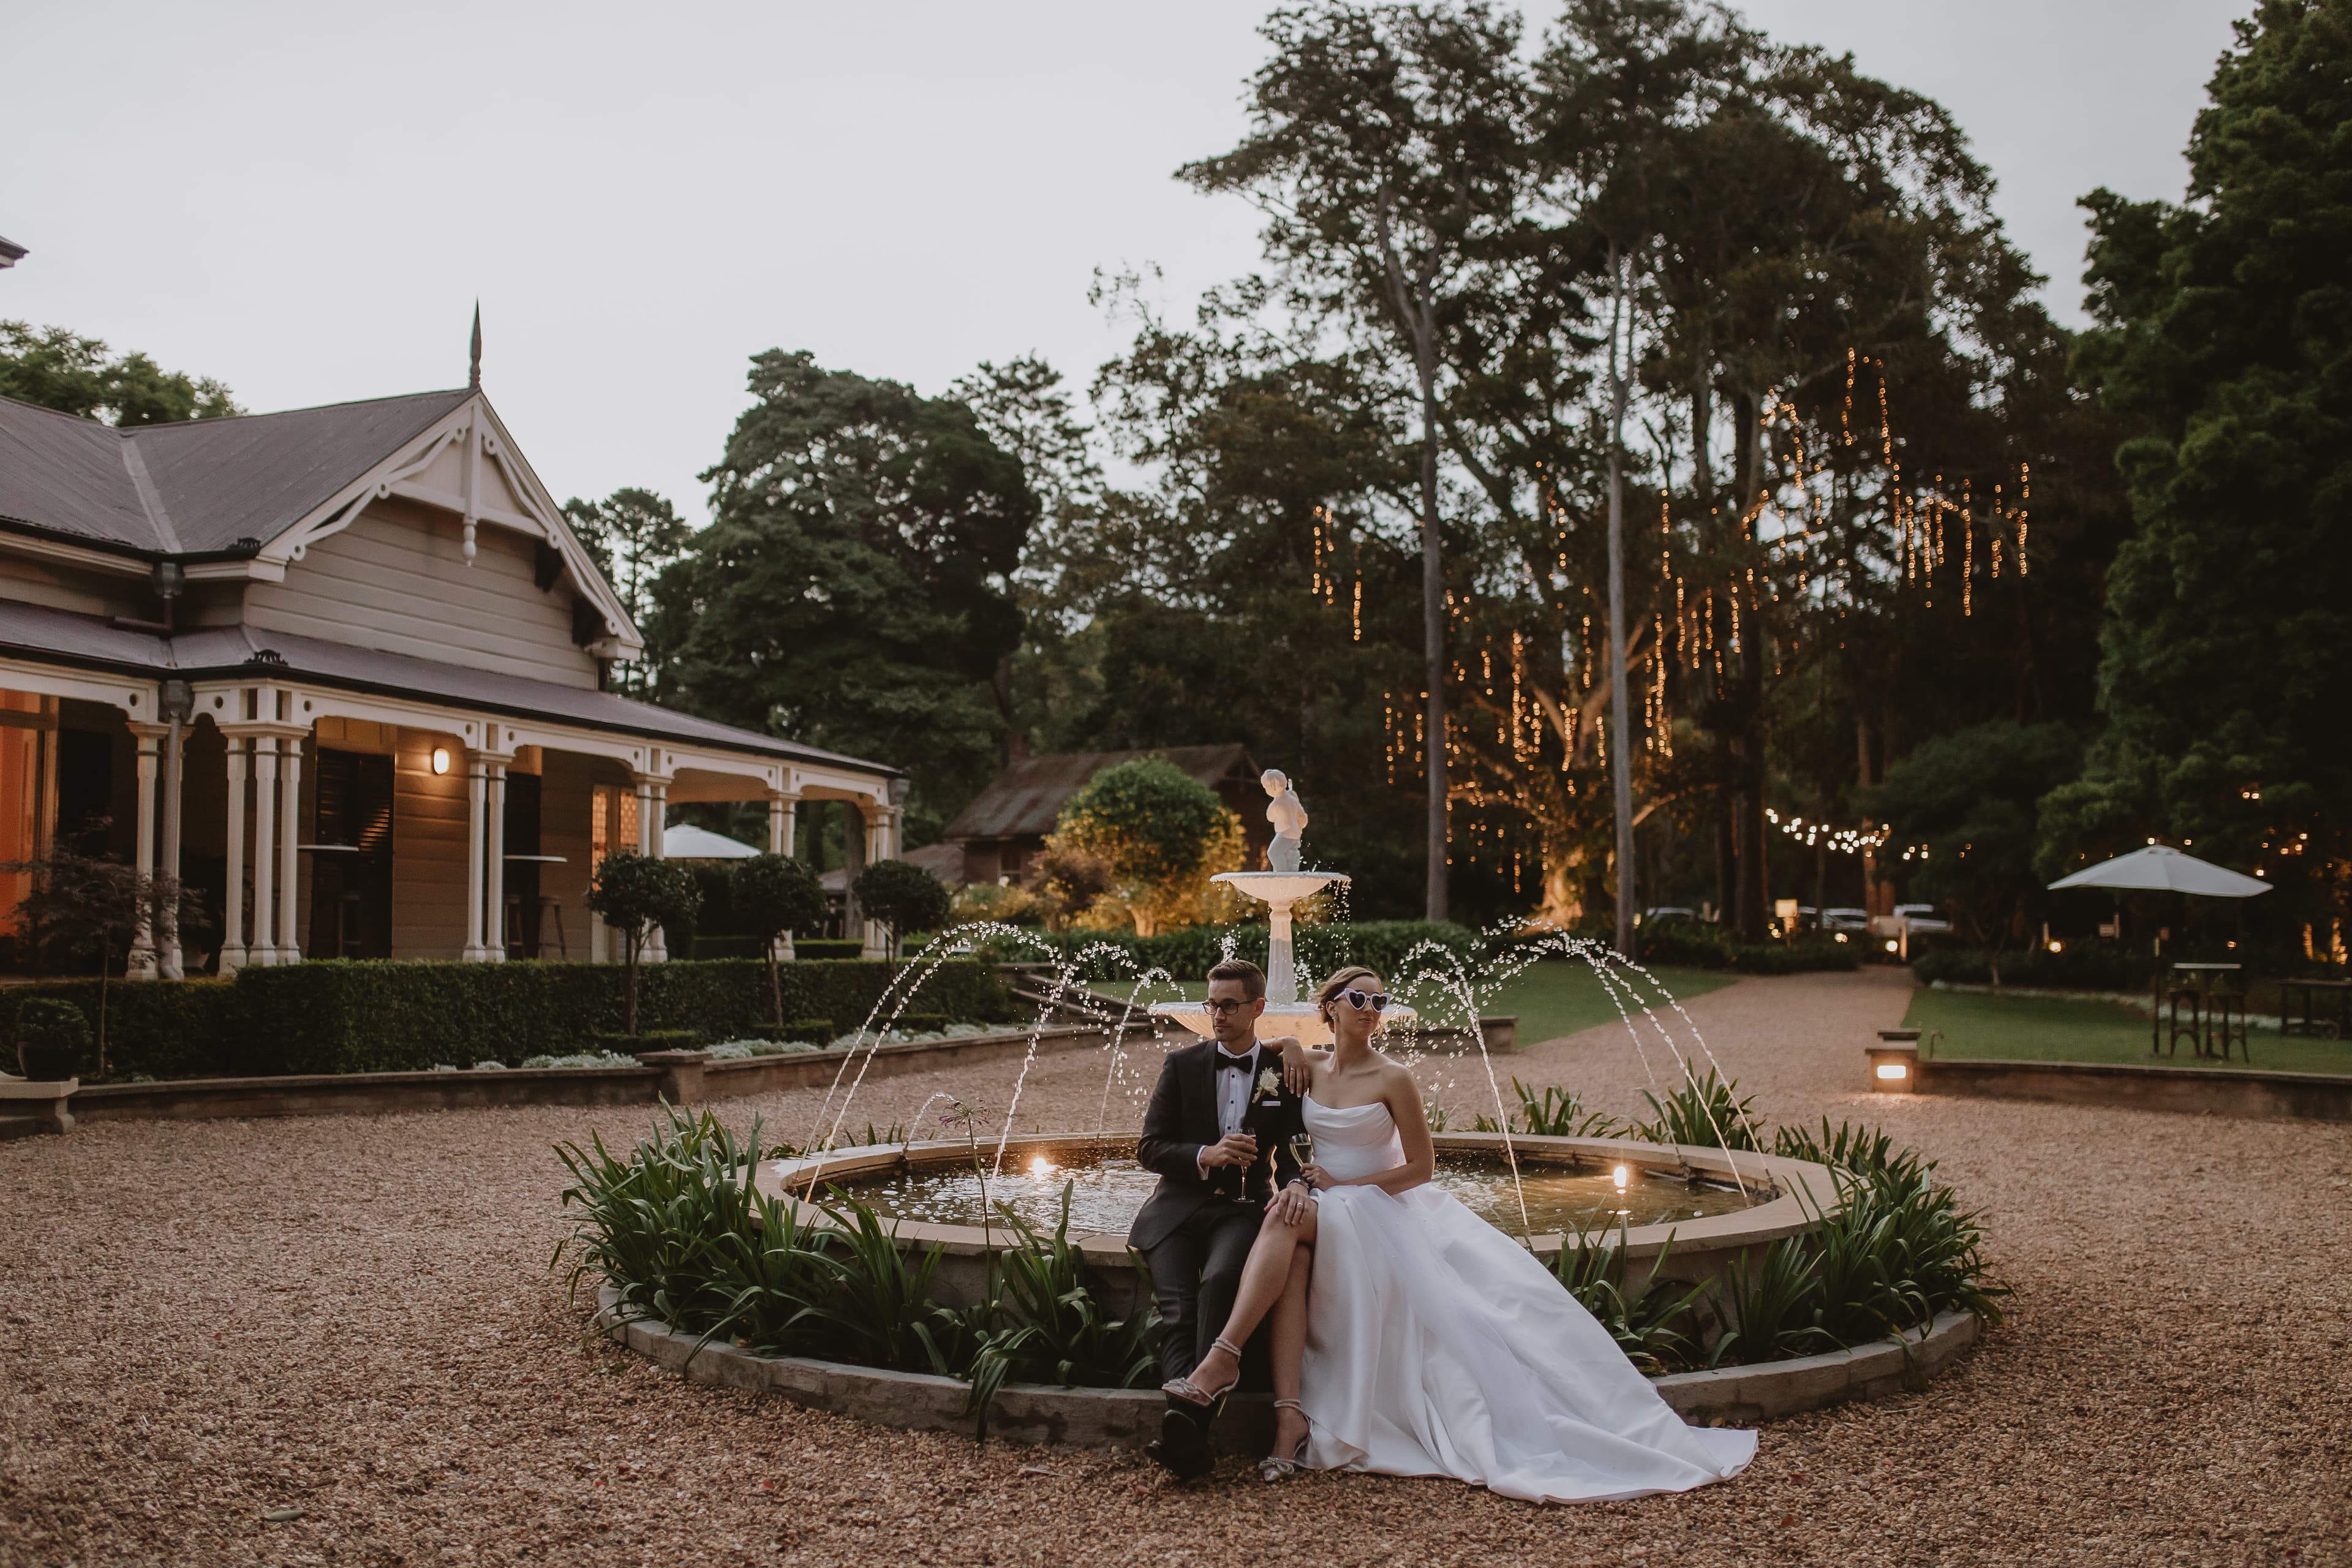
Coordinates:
344	670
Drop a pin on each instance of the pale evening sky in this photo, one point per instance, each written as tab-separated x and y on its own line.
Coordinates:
305	200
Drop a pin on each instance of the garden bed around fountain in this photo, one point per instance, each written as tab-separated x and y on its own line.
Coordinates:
1129	1418
1796	1197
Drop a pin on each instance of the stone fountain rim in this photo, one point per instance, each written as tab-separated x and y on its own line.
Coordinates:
1804	1194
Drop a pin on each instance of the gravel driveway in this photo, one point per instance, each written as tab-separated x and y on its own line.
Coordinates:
207	1322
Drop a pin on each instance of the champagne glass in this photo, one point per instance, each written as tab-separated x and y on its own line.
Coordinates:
1302	1149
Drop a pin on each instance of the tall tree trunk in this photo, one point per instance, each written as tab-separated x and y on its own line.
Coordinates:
1419	321
1862	776
1754	898
1432	633
1727	861
1621	730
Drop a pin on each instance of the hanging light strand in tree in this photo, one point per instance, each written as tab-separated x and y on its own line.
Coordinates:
1844	840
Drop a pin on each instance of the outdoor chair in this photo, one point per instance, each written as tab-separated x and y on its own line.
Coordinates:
2229	1023
2193	999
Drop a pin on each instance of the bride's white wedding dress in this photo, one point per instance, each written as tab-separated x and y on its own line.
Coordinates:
1438	1346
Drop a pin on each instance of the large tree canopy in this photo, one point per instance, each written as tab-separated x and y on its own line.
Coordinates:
2225	335
853	589
57	369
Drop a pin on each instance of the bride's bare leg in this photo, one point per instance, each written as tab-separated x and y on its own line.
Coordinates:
1264	1278
1288	1330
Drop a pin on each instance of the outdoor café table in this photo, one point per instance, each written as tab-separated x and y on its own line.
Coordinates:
2197	978
2338	1028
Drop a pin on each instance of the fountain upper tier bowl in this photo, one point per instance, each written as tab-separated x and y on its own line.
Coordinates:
1285	1013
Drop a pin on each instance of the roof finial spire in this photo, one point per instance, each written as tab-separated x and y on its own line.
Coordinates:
474	370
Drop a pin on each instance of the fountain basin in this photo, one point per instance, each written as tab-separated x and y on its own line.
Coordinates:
1789	1196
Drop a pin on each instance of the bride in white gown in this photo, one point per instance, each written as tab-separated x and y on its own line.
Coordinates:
1411	1338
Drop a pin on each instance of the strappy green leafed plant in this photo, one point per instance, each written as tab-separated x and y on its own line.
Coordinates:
1050	1326
656	1221
1656	1323
1772	1310
1707	1113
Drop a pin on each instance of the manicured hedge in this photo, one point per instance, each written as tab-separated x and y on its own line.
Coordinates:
1187	954
1696	944
2094	965
339	1015
182	1028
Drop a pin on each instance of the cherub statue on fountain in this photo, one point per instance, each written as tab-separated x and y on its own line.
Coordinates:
1288	815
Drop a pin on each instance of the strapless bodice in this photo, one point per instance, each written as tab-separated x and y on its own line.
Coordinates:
1352	1140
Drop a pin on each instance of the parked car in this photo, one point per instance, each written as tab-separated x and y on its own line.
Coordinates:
1666	912
1921	917
1845	920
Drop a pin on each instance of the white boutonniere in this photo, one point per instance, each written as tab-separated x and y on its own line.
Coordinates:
1269	1083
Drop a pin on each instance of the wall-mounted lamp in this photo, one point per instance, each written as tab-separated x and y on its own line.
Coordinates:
440	759
1895	1061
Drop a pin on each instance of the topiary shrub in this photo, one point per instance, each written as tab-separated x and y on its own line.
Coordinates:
903	897
772	894
52	1037
634	893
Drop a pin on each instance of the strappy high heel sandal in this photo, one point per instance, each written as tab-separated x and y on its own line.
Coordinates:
1280	1466
1185	1390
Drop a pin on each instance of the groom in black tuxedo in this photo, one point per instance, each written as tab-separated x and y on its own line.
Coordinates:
1218	1132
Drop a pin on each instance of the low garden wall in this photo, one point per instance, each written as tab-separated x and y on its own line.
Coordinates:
375	1016
679	1076
2219	1091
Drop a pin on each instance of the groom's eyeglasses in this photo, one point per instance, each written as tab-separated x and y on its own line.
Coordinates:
1226	1006
1374	1001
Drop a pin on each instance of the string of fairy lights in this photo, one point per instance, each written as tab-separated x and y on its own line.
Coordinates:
1708	608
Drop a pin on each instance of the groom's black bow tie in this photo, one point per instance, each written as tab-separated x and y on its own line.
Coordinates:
1234	1064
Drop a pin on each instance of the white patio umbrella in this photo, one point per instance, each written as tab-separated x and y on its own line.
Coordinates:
2162	869
687	842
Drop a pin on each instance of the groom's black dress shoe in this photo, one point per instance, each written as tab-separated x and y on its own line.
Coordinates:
1183	1448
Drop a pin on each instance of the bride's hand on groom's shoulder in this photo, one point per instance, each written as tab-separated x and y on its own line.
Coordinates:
1298	1069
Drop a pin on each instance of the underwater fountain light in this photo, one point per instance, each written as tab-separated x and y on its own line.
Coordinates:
1041	1167
1621	1175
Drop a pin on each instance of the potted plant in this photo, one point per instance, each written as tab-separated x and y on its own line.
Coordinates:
51	1036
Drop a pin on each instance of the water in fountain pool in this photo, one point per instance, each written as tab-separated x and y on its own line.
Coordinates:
1105	1193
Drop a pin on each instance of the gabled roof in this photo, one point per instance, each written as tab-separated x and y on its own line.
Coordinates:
1026	800
201	485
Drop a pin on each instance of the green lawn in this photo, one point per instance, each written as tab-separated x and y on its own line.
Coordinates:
1553	998
2059	1029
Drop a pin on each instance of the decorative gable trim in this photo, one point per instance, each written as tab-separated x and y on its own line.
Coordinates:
474	427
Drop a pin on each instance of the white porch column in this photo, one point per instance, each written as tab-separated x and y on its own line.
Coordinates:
783	820
167	940
142	965
494	824
289	860
877	832
655	807
263	949
233	948
475	785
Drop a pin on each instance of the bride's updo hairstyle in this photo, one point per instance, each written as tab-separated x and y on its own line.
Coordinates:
1329	991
